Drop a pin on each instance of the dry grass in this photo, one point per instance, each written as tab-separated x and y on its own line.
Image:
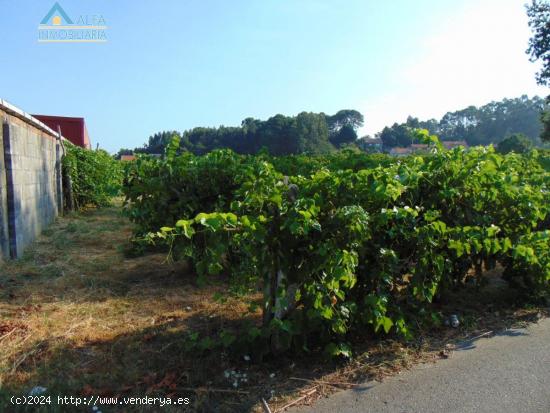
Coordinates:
79	317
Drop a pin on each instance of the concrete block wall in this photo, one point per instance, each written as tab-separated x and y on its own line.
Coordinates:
4	243
30	188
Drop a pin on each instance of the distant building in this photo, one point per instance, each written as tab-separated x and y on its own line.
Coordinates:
127	157
419	147
371	144
422	147
73	129
400	151
454	144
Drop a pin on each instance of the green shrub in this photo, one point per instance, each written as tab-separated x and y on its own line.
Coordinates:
96	177
160	191
517	143
340	249
528	264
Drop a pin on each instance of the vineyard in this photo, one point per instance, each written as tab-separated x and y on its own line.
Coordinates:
259	205
229	277
346	243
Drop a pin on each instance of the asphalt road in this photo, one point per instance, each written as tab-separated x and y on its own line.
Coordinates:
508	373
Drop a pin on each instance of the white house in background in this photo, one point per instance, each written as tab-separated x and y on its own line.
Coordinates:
422	147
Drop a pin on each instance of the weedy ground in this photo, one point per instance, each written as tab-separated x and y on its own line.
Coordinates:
80	317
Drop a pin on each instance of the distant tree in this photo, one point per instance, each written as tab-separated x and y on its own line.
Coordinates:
123	151
396	135
545	119
483	125
431	125
343	126
517	143
312	133
279	135
539	49
250	127
157	142
538	13
460	124
345	135
345	117
494	121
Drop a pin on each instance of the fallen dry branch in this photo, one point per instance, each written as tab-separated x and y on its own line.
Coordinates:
7	334
329	383
8	355
265	406
482	335
21	359
296	401
211	390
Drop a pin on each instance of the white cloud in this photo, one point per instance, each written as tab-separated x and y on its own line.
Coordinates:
475	56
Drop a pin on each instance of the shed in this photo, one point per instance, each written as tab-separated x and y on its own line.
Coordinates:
73	129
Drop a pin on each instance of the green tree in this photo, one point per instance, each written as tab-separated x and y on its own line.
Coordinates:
539	49
343	126
538	13
345	117
345	135
545	119
312	133
123	151
157	143
517	143
396	135
279	135
484	125
430	125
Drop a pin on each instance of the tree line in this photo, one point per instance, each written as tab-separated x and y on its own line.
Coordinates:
318	133
307	132
538	14
484	125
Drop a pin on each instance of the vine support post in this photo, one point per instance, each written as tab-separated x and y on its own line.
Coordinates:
270	291
66	183
68	190
58	170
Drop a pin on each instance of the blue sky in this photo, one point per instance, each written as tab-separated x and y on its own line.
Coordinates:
176	64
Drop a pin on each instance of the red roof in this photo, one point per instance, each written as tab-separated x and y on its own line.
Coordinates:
73	129
454	144
400	150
